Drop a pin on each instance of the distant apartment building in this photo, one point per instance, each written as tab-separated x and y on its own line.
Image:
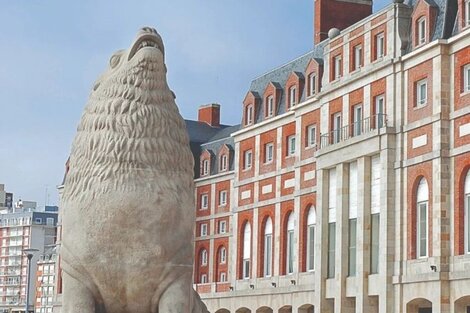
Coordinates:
6	199
347	186
46	282
20	230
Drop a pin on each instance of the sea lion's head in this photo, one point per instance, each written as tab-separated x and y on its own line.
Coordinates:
145	59
131	126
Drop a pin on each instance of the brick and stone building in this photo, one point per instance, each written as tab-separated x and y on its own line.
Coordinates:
46	282
20	230
346	188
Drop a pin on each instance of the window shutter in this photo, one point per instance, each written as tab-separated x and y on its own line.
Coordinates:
375	185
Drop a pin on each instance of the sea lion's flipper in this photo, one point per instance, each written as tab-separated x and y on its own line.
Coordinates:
79	297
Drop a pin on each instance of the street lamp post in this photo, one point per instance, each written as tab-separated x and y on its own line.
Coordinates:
29	254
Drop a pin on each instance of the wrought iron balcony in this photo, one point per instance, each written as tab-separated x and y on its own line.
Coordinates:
344	133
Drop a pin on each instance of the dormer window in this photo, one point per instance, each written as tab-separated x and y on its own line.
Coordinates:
467	13
337	67
421	31
269	106
223	163
292	96
205	167
249	115
312	84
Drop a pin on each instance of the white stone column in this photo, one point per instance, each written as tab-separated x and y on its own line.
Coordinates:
322	305
342	304
363	301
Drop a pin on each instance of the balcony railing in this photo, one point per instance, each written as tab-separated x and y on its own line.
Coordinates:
344	133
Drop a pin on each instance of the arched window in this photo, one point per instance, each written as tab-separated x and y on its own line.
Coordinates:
311	221
466	200
204	257
246	250
290	244
223	255
422	227
268	247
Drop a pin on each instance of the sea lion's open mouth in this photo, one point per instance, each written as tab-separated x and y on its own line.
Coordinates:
147	39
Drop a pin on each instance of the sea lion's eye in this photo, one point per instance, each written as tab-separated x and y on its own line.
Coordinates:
114	60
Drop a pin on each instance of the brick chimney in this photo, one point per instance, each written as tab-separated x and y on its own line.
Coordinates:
209	114
338	14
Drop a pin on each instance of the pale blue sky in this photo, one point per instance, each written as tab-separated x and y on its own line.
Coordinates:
52	51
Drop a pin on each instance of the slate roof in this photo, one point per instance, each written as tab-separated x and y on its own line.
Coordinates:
279	78
446	15
205	137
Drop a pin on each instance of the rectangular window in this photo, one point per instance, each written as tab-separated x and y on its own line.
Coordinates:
50	221
380	45
249	115
352	247
357	57
311	136
247	160
268	152
421	31
38	220
312	81
223	162
223	277
337	67
291	145
267	255
292	96
467	13
203	230
222	227
203	279
204	201
379	111
290	252
311	248
357	129
421	93
246	268
466	78
422	239
222	197
374	238
337	128
331	249
270	106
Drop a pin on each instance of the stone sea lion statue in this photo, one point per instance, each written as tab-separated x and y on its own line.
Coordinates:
128	201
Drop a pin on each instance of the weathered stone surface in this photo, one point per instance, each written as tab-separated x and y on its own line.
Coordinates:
128	196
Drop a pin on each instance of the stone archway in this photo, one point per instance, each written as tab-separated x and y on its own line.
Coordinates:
306	308
222	311
264	309
462	305
419	305
243	310
286	309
